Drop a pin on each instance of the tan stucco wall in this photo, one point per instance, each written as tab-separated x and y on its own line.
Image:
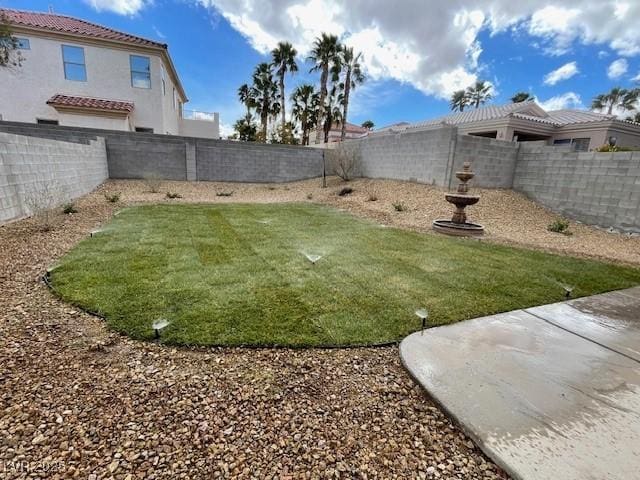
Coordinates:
200	128
25	90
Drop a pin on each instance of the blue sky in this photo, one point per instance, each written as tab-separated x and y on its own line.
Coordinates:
414	56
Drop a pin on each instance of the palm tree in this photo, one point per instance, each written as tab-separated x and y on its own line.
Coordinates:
332	111
323	54
459	100
284	60
353	76
245	128
265	93
246	97
520	97
616	98
368	124
10	55
305	103
479	93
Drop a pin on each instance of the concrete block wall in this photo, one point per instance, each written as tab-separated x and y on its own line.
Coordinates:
47	169
493	161
595	188
136	155
423	156
219	160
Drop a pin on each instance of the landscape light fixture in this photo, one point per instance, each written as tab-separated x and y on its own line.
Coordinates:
158	325
93	233
423	314
613	140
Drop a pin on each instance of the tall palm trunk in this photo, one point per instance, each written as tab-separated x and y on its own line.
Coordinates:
323	95
345	105
282	99
610	109
264	118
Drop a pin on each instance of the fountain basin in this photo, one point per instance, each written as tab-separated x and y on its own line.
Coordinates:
466	229
459	199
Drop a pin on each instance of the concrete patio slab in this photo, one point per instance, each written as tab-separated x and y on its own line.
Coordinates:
541	401
610	319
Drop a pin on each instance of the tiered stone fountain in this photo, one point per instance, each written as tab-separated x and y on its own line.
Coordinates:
458	224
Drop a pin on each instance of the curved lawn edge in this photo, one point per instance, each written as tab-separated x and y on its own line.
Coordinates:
46	279
262	293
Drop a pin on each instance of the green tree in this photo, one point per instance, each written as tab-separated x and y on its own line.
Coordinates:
459	100
246	128
324	55
246	97
10	56
616	98
283	58
479	93
368	124
305	103
265	93
520	97
350	64
332	110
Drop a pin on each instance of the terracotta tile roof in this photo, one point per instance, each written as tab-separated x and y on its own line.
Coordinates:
529	110
66	24
59	100
351	128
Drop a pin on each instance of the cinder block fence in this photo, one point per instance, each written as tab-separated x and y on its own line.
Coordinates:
597	188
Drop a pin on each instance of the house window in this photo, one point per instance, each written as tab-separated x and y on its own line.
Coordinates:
23	43
164	84
140	71
46	121
144	129
74	67
581	144
563	141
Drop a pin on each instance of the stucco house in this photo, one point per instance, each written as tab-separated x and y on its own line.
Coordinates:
528	121
80	74
351	131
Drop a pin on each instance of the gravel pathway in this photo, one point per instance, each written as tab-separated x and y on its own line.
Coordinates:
77	401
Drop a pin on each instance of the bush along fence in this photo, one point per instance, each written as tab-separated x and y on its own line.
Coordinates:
592	187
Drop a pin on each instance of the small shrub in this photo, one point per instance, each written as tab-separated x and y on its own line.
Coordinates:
344	161
173	195
345	191
559	225
112	197
309	196
224	194
153	182
41	200
271	187
69	208
372	197
399	207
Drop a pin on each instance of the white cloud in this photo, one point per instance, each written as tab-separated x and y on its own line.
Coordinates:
434	48
123	7
226	130
559	102
636	78
617	68
565	72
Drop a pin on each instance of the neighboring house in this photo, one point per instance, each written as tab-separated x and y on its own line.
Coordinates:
81	74
528	121
351	131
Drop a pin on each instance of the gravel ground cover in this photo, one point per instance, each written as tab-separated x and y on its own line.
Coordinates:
77	401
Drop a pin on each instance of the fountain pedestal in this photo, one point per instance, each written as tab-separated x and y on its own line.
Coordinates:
458	224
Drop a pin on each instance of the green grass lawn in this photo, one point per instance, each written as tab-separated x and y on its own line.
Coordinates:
236	274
